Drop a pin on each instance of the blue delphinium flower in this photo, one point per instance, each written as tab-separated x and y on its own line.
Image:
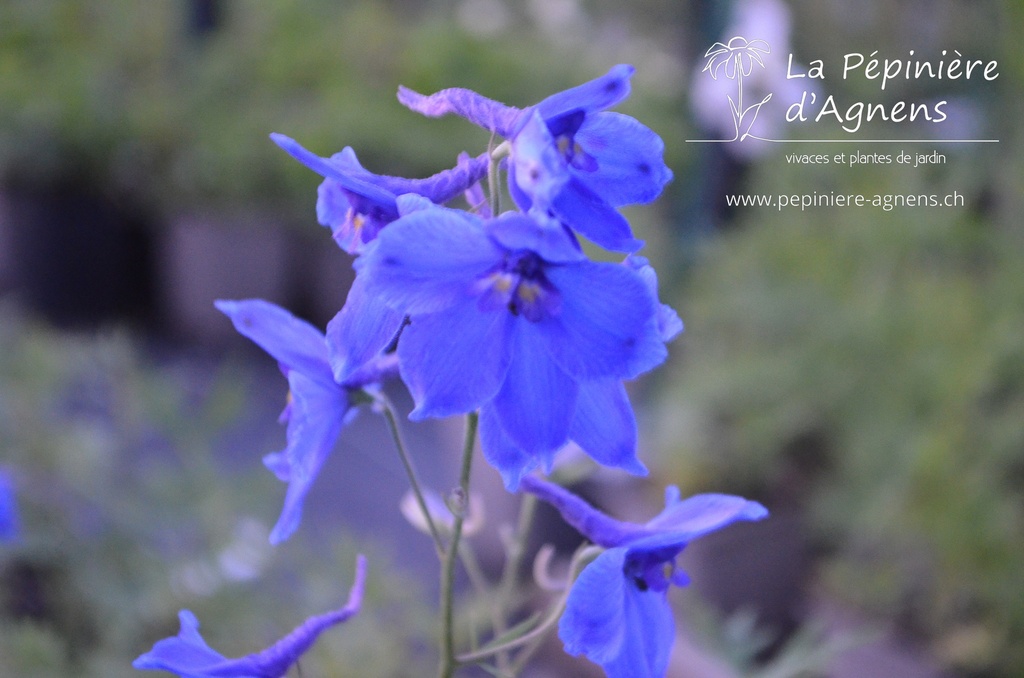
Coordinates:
9	524
356	203
597	160
603	424
318	406
617	613
509	316
188	655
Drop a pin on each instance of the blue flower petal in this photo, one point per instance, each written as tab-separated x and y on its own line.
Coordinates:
428	260
361	330
599	528
188	655
455	360
630	159
649	634
598	94
9	523
445	185
595	219
702	513
332	208
536	402
669	323
538	169
604	425
316	417
607	324
517	231
487	113
617	612
331	170
185	652
500	452
593	623
293	342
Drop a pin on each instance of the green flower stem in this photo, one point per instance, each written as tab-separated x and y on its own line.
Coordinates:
410	470
449	662
536	633
515	552
494	193
531	639
479	582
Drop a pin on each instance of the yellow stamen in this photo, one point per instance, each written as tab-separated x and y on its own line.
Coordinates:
528	292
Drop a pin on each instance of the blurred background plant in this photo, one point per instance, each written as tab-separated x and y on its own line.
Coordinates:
858	371
133	505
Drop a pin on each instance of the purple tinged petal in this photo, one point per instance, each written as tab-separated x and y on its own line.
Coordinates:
455	360
617	612
477	200
594	217
188	655
487	113
360	332
630	159
604	425
540	171
331	170
428	260
341	211
438	188
598	94
410	202
332	208
185	654
318	406
702	513
344	169
293	342
590	522
607	324
537	399
501	453
445	185
278	658
316	417
516	231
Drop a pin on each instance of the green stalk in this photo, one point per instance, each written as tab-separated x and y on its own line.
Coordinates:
449	662
516	551
410	471
493	192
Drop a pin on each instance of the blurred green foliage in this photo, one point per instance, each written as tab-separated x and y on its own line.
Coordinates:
868	366
130	514
865	364
123	95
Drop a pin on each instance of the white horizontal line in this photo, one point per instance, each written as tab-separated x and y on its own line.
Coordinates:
851	141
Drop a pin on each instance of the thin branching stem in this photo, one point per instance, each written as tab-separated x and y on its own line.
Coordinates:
449	662
410	470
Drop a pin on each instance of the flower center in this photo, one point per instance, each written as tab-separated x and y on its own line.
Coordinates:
519	286
650	572
564	129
